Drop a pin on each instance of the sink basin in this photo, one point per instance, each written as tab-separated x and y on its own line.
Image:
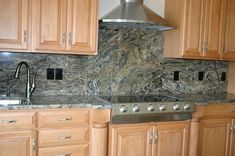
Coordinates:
12	101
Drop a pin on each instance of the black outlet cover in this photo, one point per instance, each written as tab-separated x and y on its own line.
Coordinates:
223	76
176	75
50	73
59	74
201	76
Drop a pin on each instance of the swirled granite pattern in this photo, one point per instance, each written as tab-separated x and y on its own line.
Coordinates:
57	102
129	61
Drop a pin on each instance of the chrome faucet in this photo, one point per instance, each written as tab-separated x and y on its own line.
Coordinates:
29	86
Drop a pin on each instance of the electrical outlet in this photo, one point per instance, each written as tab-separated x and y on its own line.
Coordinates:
223	76
201	76
59	74
50	73
176	75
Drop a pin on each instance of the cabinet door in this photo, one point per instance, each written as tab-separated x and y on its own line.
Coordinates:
49	25
82	26
172	139
193	28
213	137
17	143
130	140
14	25
213	28
229	46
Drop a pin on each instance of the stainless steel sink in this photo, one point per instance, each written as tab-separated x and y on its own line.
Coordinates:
13	101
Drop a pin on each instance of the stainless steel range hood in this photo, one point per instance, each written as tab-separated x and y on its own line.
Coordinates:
134	13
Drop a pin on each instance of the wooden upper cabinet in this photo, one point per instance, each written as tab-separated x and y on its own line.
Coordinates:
49	25
192	41
199	29
214	10
65	26
14	24
172	139
82	26
185	41
229	40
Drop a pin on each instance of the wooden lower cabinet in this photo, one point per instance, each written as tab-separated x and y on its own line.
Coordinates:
159	139
129	140
216	130
214	137
172	139
19	143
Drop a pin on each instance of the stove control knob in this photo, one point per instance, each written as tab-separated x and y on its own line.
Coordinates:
135	108
162	107
187	107
123	108
151	108
176	107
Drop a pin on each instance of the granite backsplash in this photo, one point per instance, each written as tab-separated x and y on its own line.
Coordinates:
129	61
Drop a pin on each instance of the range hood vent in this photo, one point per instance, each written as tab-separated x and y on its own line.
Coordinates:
133	13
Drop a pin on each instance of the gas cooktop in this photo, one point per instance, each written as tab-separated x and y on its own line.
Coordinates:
149	108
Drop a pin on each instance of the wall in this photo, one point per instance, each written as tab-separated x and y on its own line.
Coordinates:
156	5
130	61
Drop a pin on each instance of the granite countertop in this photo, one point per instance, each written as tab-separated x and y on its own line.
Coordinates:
49	102
205	99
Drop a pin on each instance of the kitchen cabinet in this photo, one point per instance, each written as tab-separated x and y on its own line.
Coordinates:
53	132
17	133
64	132
14	25
216	130
65	26
229	39
214	137
199	29
21	143
159	139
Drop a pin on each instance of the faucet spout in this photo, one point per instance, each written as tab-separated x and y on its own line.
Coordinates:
29	88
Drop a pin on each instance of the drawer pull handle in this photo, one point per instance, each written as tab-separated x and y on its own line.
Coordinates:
64	137
231	111
69	154
8	121
65	119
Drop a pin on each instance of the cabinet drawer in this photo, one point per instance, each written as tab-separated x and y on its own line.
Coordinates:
64	151
17	120
63	136
63	118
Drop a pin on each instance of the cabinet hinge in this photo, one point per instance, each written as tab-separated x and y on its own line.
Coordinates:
34	144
